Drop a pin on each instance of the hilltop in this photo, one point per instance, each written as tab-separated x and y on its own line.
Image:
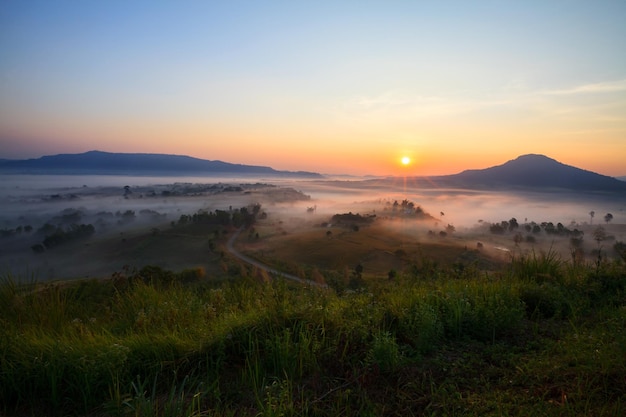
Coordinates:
105	163
535	172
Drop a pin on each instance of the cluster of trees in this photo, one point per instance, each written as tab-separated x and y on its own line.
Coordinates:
607	217
155	215
407	207
61	235
123	217
575	235
512	226
352	219
443	233
244	216
128	216
68	216
186	190
4	233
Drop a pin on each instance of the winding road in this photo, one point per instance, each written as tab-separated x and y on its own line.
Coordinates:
231	248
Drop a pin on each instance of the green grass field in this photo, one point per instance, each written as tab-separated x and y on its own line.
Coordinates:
534	335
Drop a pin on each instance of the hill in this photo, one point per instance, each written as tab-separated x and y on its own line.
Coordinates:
532	171
97	162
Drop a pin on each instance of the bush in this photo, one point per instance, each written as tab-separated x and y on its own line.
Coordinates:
421	327
545	301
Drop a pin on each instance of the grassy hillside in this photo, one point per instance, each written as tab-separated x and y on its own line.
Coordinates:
535	336
378	247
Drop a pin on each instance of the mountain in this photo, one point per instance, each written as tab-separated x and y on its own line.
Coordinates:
533	171
105	163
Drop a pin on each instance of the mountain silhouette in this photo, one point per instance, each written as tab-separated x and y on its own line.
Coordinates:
533	171
97	162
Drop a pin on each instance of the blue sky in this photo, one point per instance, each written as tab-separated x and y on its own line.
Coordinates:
324	86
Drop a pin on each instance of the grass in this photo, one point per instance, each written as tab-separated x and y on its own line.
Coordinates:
377	247
538	337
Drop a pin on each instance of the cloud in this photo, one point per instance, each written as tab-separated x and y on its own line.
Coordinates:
394	105
596	88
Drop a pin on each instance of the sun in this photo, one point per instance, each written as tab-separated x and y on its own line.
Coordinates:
405	160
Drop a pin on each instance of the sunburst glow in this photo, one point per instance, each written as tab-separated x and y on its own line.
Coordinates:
405	160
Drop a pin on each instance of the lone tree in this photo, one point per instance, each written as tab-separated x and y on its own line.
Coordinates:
591	214
608	217
599	235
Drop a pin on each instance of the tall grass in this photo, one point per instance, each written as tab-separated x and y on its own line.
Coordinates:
418	344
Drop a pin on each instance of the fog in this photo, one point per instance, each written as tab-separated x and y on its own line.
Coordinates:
118	205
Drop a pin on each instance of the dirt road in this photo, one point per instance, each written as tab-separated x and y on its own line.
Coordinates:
231	248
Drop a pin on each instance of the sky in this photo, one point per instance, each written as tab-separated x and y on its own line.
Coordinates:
337	87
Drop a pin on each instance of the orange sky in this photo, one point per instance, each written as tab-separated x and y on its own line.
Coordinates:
333	88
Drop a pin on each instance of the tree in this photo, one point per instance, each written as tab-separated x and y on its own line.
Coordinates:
608	217
356	280
576	249
599	234
496	229
592	214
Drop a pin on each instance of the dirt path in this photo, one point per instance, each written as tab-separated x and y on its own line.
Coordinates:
230	247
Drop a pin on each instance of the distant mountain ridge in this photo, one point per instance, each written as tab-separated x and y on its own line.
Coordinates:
533	171
97	162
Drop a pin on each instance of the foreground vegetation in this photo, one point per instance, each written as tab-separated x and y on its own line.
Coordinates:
539	337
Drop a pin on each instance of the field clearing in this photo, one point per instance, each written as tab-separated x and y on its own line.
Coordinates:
377	247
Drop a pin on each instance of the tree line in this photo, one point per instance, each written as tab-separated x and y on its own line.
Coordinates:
61	235
244	216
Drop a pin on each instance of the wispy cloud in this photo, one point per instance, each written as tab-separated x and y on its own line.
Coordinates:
400	105
596	88
397	105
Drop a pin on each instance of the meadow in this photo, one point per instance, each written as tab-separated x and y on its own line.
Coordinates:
404	319
538	335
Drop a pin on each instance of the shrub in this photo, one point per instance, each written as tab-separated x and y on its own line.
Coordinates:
545	301
420	326
384	352
546	265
